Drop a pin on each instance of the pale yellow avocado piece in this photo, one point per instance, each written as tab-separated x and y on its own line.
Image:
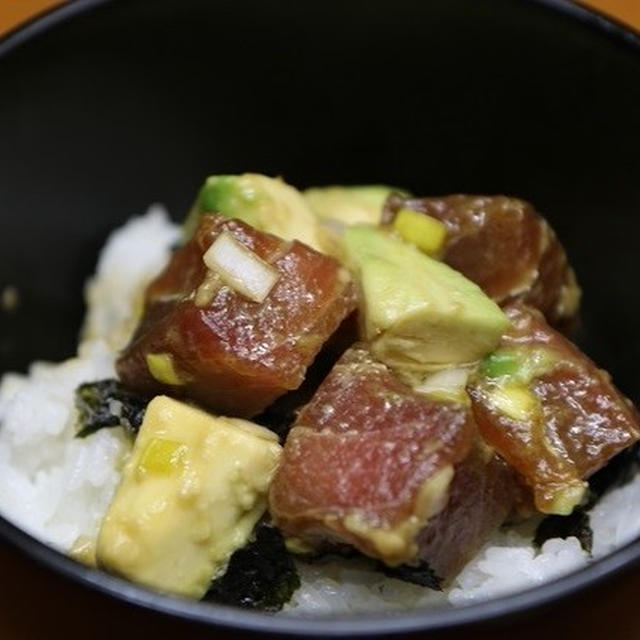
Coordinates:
268	204
418	312
359	204
191	493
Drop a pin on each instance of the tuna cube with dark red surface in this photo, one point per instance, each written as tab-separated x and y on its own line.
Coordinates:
204	338
549	411
372	463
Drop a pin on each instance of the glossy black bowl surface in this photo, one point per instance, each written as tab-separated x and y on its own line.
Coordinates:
135	102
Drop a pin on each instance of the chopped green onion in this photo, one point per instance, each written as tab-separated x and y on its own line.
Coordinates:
501	363
421	230
161	367
514	401
162	456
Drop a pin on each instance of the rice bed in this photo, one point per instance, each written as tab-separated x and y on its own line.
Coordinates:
58	487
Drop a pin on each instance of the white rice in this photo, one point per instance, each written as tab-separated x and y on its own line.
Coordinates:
58	487
133	255
52	484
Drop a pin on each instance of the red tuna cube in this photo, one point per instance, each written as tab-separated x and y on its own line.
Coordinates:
506	247
549	411
202	340
371	463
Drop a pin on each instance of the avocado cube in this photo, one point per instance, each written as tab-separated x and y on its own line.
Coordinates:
268	204
191	493
418	312
359	204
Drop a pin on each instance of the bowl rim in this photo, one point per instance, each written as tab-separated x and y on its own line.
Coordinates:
616	30
499	609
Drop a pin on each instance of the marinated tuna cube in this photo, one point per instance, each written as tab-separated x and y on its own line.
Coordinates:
483	492
235	319
549	411
370	462
505	247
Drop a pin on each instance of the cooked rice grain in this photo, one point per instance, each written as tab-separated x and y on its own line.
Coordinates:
58	487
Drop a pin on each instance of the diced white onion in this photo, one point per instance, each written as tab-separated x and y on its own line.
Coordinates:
240	268
450	381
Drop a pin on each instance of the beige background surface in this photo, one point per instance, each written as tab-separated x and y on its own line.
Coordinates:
37	604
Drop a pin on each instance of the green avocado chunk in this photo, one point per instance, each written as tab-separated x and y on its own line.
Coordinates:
268	204
418	312
349	205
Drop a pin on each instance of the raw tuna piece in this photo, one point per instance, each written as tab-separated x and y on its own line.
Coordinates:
549	411
370	462
481	496
506	248
222	350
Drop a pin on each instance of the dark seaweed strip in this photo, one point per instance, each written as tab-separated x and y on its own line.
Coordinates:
618	472
576	524
97	401
261	575
421	574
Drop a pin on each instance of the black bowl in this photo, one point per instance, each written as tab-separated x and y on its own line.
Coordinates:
135	102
